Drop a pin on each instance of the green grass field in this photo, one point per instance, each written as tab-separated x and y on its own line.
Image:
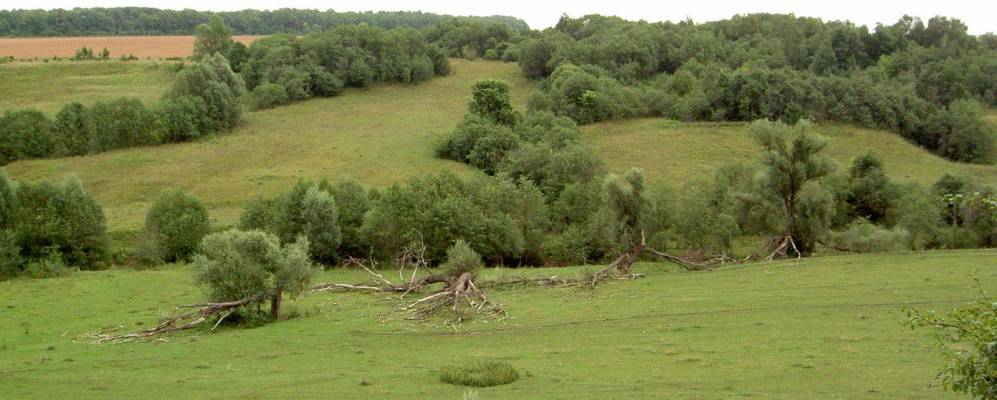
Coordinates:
385	134
47	87
827	328
674	151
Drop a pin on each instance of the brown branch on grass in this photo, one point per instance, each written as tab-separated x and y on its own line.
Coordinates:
184	320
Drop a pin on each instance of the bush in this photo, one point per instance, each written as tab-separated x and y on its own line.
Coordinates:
65	219
51	266
120	123
10	254
74	129
461	259
181	119
353	202
176	222
490	100
26	134
213	80
321	224
269	95
480	374
262	213
969	138
234	265
491	149
862	236
310	211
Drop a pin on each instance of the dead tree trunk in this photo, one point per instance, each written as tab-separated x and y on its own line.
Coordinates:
275	304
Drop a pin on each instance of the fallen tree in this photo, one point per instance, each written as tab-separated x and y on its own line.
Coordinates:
461	293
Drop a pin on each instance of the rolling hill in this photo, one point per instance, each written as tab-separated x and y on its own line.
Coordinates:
385	134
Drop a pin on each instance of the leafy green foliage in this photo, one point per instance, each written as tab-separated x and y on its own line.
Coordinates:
791	161
968	336
213	37
490	100
176	223
861	236
234	265
60	219
870	195
461	259
480	374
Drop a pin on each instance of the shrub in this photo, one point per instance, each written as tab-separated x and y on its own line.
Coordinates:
490	100
861	236
269	95
176	222
490	150
50	266
213	80
122	122
920	214
182	118
969	138
870	194
234	265
461	258
10	254
261	213
74	130
480	374
26	134
353	202
62	219
310	211
321	224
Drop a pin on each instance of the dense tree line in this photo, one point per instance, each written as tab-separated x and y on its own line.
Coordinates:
920	80
152	21
205	97
284	68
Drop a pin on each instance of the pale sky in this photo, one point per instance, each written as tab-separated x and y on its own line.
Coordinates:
979	15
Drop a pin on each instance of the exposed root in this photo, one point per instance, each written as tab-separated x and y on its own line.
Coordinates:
185	320
462	296
780	247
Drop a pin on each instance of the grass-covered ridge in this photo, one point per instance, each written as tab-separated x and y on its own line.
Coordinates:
828	327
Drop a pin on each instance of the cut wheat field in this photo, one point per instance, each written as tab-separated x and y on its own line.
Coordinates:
138	46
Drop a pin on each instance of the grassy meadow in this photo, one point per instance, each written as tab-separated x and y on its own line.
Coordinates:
47	87
378	136
826	327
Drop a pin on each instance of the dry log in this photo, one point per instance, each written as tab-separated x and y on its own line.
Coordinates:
185	320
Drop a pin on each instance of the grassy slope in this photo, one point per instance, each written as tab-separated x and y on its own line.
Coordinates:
674	150
385	134
49	86
377	136
828	328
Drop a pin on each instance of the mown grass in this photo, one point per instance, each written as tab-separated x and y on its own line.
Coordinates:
828	328
674	151
47	87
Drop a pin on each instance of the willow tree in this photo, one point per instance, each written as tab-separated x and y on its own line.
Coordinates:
791	159
213	37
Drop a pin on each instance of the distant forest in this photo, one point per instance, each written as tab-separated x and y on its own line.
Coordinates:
152	21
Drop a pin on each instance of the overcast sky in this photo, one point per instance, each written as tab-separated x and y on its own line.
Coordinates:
979	15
